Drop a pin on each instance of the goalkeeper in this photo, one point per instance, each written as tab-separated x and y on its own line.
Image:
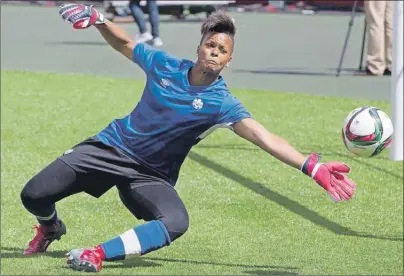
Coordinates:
141	154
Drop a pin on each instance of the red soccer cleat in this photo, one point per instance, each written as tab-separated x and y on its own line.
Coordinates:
88	260
45	235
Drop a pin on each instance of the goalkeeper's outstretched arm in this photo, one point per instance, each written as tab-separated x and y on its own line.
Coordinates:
331	175
117	38
84	16
278	147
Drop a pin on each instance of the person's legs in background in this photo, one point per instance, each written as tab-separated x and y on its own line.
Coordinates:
154	22
375	18
139	18
388	27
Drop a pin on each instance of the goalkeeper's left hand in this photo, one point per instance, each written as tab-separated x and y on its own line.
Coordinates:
331	176
80	15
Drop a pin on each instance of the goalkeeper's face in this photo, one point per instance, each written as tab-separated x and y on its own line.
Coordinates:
215	52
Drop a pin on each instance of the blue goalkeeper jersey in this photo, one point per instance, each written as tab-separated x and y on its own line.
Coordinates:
171	116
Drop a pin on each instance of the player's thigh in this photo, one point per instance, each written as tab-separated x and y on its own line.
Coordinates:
101	166
151	200
53	183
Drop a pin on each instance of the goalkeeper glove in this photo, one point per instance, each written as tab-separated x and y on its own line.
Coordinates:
80	15
330	176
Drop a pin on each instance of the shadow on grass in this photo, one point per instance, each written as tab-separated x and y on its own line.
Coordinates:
289	204
17	253
13	252
320	151
219	263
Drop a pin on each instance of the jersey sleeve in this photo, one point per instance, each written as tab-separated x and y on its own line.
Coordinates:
232	111
146	56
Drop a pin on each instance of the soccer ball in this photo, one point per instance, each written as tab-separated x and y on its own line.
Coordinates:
367	131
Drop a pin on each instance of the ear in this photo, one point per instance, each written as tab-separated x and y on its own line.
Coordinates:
228	63
197	50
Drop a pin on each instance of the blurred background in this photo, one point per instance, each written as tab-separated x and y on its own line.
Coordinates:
250	5
286	46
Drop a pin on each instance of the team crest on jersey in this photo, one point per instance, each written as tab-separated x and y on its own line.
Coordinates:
68	151
197	103
164	83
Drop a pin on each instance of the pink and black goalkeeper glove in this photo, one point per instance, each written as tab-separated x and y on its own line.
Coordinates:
81	16
331	176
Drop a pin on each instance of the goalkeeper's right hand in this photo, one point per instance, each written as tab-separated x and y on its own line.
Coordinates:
81	16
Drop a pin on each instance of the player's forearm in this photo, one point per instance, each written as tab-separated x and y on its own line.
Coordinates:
114	35
278	147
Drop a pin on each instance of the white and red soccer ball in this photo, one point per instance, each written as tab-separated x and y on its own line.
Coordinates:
367	131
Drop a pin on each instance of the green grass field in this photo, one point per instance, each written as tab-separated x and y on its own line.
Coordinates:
249	213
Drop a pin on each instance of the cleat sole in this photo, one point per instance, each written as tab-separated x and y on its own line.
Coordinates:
82	266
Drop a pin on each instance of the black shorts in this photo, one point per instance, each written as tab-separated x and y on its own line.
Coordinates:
94	168
101	167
